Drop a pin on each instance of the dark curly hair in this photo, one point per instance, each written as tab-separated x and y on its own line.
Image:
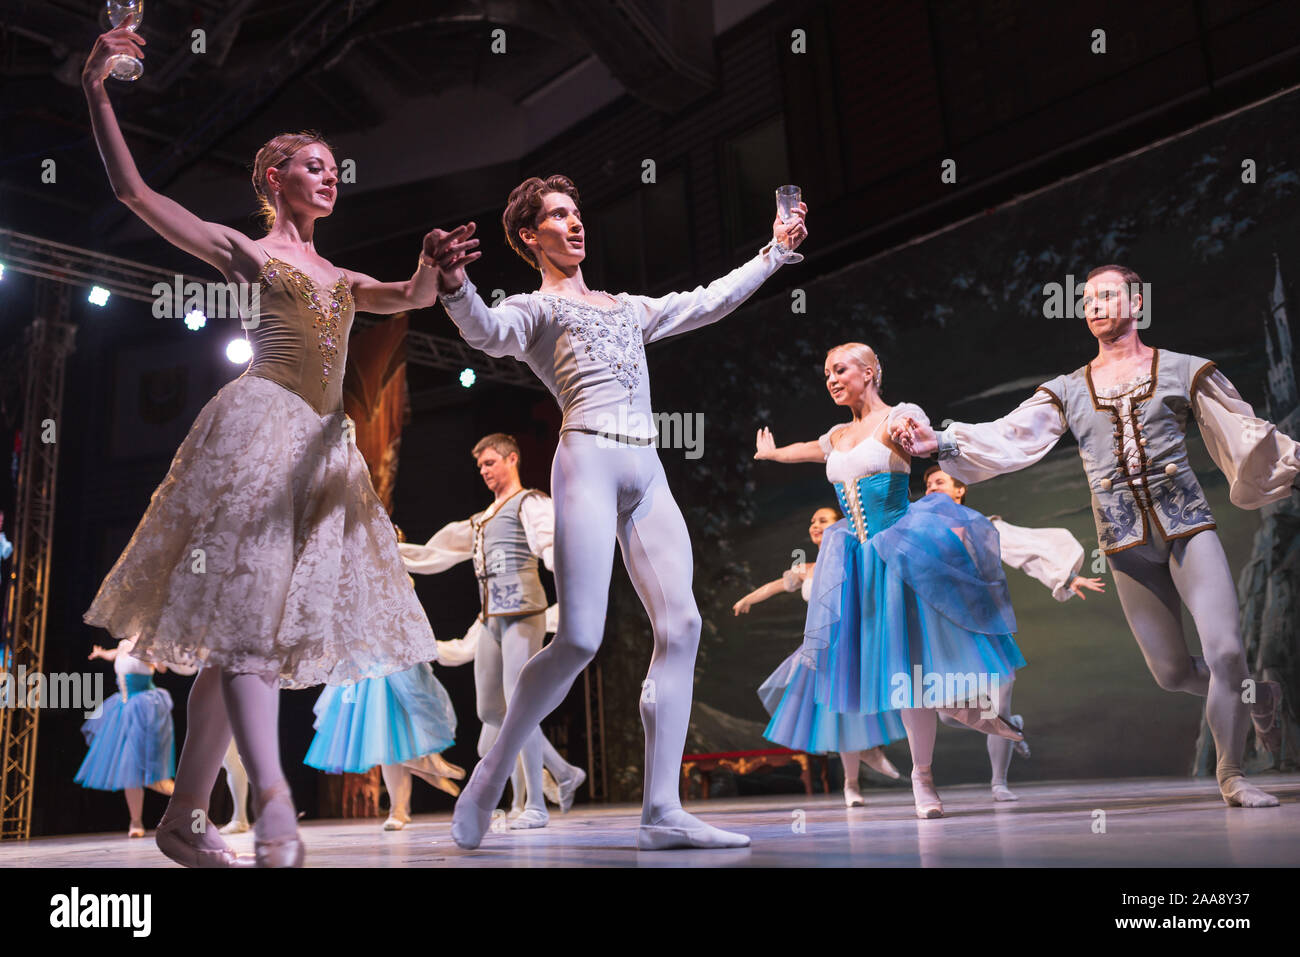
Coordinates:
524	208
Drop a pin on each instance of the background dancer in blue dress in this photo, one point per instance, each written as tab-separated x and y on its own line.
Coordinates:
132	744
1052	556
798	721
909	609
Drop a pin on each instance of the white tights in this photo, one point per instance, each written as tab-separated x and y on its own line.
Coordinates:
220	704
602	495
503	650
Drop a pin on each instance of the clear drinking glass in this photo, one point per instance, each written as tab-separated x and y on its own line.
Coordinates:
788	199
125	67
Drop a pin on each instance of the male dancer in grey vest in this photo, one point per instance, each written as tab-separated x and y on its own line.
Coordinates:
1128	409
505	541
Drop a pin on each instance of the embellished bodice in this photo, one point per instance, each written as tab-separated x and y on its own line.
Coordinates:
1132	442
133	675
872	503
504	563
299	335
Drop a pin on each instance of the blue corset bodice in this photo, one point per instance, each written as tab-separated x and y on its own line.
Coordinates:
134	684
872	503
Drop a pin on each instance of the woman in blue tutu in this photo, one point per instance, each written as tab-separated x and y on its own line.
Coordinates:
132	744
798	721
400	722
909	610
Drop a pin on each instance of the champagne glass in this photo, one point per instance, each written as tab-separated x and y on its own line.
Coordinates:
125	67
788	199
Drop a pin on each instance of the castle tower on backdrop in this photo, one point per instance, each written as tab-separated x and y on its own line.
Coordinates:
1283	396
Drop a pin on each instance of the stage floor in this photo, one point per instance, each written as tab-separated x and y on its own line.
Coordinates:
1161	822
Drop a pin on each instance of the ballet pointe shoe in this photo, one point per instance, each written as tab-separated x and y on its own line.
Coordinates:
286	850
1003	793
1266	716
530	818
167	787
434	770
469	819
998	725
550	787
852	796
234	826
175	838
1238	792
678	830
569	788
135	829
876	760
397	820
924	796
1020	747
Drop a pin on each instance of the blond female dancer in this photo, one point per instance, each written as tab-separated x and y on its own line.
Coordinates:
264	552
909	609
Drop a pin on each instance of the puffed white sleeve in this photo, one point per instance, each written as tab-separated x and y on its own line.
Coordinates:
449	546
680	312
459	651
1051	555
974	453
1262	465
538	514
827	441
504	330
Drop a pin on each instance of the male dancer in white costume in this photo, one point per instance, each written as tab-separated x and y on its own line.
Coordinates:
588	347
1128	408
1050	555
504	541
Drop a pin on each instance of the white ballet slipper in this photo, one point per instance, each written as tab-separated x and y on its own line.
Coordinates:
678	830
1003	793
531	818
1238	792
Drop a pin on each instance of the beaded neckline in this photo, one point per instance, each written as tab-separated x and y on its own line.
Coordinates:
619	302
1123	388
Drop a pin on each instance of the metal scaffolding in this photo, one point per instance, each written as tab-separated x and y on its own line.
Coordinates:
48	342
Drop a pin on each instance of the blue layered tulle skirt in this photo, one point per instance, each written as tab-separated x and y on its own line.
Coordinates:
801	724
917	615
382	721
132	743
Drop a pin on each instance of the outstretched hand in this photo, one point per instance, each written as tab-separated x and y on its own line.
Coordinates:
118	41
791	234
742	607
1092	584
452	252
913	437
764	444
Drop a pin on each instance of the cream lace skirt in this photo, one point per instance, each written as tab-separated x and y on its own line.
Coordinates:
266	550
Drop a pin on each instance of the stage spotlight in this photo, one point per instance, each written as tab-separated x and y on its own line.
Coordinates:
239	351
98	296
467	377
195	320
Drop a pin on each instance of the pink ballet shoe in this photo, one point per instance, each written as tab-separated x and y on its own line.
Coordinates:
1266	716
1238	792
878	762
852	796
924	795
284	851
174	839
135	829
972	718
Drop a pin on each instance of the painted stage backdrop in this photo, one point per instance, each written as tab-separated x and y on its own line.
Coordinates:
960	320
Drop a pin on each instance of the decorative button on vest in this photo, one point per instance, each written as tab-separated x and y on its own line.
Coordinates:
1106	484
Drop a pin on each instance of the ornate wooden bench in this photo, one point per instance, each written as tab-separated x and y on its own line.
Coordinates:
746	762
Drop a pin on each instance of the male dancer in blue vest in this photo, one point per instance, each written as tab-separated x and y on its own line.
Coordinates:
1128	408
505	541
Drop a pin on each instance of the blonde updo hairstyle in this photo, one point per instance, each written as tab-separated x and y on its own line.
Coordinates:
276	152
864	356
